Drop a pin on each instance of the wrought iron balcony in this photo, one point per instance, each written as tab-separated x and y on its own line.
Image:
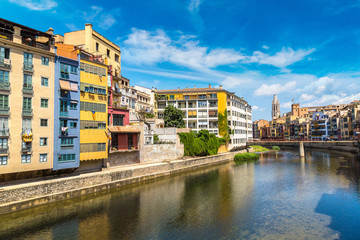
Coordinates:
27	112
5	86
29	67
4	110
28	89
5	63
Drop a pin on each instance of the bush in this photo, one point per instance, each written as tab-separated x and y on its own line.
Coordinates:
241	157
258	148
200	144
277	148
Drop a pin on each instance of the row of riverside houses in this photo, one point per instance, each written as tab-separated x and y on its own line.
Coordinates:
323	123
65	106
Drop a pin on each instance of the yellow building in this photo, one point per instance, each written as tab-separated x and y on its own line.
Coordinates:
202	106
96	44
93	111
26	99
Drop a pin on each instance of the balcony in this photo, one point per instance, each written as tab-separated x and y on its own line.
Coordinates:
29	41
5	63
64	113
28	67
5	86
4	110
27	112
28	89
26	148
4	149
4	132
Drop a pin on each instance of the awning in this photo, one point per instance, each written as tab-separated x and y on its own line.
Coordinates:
74	87
124	129
65	85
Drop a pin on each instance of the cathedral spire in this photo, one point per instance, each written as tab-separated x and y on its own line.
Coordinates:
275	112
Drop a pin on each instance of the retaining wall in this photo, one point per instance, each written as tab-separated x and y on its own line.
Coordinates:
22	196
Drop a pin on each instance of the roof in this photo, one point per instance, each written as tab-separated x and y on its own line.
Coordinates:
66	50
189	90
36	32
124	129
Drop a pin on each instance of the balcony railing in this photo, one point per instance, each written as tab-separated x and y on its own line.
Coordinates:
4	149
31	42
5	86
28	89
6	63
4	132
63	113
4	110
26	148
27	112
28	67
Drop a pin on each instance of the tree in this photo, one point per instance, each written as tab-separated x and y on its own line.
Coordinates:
223	126
173	117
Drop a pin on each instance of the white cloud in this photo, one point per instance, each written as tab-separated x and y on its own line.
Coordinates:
92	13
106	21
285	105
265	47
306	97
282	59
145	47
71	26
240	79
194	5
277	88
37	5
255	108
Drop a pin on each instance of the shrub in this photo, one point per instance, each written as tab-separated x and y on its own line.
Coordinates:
200	144
277	148
241	157
258	148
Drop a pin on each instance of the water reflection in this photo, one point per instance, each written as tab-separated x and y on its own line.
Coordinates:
282	196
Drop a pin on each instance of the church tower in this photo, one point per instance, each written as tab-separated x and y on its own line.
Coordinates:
275	113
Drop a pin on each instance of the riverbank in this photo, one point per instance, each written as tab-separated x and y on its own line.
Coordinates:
26	195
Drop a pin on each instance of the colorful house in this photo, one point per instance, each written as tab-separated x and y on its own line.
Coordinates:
67	108
93	111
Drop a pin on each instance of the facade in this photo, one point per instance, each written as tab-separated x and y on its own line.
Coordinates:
147	100
257	126
26	98
275	112
67	108
93	110
202	106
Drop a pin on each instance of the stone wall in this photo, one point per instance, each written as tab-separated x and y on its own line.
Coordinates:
161	152
122	158
22	196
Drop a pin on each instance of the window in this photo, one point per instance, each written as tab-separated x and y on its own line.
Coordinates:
108	52
44	81
4	77
118	120
3	160
63	106
44	103
45	61
28	60
202	104
73	69
116	58
27	81
43	157
26	123
66	157
4	101
73	106
64	93
97	47
4	53
43	122
3	143
67	141
73	124
43	141
26	158
27	103
64	70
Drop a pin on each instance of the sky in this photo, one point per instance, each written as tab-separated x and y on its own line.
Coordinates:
306	51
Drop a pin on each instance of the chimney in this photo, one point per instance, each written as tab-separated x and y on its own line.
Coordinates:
194	87
50	31
152	88
187	87
178	88
220	87
209	85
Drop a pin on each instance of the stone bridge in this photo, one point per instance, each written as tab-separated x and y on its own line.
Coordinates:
347	146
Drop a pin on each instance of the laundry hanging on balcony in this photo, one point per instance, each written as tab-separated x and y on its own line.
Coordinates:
93	114
64	130
27	136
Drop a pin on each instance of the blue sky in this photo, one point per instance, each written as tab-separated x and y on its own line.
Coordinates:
306	50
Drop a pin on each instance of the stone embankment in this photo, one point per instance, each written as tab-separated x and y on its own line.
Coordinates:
31	194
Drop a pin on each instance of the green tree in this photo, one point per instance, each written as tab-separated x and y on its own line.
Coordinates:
223	126
173	117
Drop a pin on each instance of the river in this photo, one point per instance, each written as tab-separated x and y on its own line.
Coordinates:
278	197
